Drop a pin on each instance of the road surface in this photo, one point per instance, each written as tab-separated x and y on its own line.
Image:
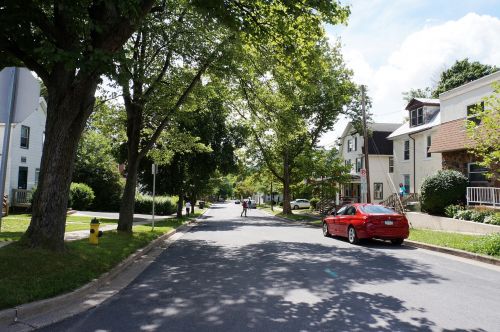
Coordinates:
261	274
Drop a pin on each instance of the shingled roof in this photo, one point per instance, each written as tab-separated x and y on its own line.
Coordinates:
450	136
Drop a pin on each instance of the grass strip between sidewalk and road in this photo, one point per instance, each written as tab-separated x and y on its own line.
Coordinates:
28	275
480	244
14	225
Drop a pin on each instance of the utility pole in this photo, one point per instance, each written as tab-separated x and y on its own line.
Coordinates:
365	134
272	196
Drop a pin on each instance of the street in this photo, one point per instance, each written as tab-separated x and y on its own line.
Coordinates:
259	273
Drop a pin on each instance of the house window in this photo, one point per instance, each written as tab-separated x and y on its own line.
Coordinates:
406	155
477	173
378	190
22	178
429	141
356	143
25	137
391	164
474	109
349	145
37	175
23	159
417	117
359	164
406	183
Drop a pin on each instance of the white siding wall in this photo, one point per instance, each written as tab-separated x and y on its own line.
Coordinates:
36	122
379	173
456	107
379	166
424	166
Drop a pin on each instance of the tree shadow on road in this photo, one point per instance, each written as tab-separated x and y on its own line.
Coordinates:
267	286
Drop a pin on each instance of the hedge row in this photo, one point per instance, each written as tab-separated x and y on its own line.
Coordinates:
460	212
164	205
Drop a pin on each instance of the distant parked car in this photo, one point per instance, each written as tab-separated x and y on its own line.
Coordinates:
237	201
300	204
252	204
365	221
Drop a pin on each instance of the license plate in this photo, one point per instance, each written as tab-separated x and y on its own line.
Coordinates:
389	222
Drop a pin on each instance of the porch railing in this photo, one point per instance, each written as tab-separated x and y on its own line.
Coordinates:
21	197
483	196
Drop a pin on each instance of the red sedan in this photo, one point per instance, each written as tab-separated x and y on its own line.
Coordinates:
366	221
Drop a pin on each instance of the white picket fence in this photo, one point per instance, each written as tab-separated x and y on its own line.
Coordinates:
483	196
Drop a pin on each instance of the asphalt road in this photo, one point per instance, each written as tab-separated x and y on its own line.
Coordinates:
261	274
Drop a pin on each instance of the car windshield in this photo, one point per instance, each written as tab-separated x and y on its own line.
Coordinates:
376	209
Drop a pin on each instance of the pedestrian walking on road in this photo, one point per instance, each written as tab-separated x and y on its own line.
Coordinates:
188	208
244	204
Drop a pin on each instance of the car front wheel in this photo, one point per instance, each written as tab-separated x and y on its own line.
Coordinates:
352	236
325	230
295	207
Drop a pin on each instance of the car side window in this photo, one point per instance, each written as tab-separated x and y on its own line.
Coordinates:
341	211
351	211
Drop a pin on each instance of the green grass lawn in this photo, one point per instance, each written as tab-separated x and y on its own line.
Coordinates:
28	275
481	244
14	225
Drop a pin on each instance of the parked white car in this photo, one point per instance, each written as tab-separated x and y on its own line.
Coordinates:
300	204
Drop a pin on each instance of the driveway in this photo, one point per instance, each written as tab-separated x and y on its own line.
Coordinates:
262	274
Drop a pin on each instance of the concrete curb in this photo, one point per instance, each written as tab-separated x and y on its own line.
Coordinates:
454	252
9	318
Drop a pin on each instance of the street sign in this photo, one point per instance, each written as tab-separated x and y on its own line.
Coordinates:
154	169
363	173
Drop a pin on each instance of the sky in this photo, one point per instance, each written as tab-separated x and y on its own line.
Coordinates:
394	46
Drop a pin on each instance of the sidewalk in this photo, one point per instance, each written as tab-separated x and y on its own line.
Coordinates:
139	219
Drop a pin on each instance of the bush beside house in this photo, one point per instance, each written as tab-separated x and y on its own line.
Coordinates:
81	196
444	188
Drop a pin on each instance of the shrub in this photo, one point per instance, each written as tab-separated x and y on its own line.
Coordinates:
493	219
163	205
444	188
81	196
314	202
464	214
451	210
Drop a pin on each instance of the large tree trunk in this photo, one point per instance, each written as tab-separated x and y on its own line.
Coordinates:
134	126
69	105
287	209
180	204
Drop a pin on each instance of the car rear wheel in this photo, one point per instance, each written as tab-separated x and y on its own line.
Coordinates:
352	237
325	230
397	242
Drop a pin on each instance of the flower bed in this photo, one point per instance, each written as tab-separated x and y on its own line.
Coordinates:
477	214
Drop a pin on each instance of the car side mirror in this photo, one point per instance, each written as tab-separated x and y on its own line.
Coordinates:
333	213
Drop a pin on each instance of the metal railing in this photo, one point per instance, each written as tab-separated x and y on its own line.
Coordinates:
483	196
21	197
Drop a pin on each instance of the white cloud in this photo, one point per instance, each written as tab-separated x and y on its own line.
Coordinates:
419	59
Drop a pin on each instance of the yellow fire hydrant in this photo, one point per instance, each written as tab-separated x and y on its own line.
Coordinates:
95	233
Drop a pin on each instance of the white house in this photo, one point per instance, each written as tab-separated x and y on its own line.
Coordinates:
412	159
451	140
380	155
26	136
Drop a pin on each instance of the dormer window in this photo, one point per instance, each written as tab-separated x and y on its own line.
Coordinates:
417	117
